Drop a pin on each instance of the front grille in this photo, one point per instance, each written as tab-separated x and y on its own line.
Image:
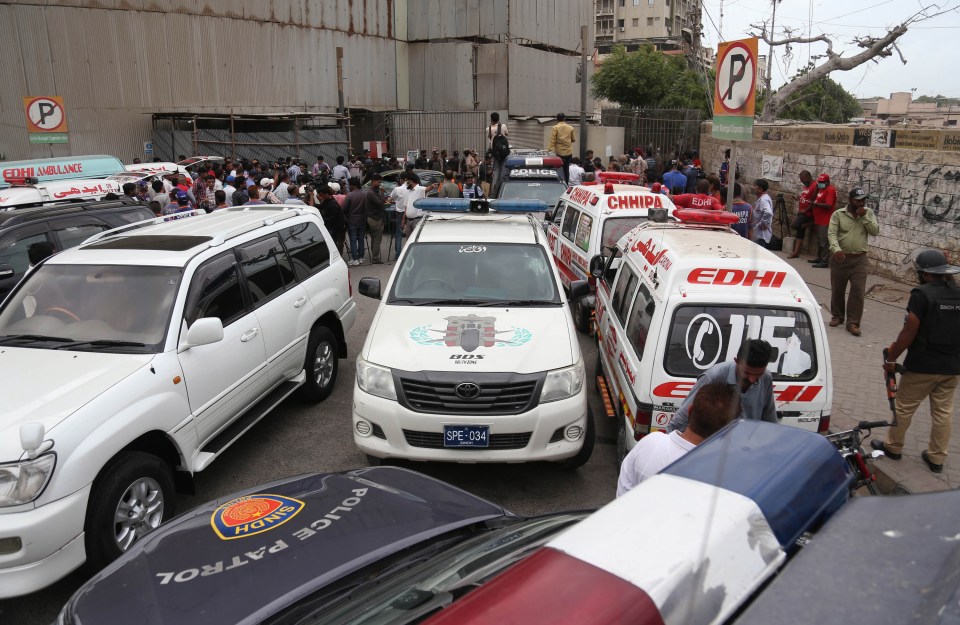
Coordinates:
500	394
434	440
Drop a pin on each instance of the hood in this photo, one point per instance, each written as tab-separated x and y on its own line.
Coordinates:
249	555
520	340
47	385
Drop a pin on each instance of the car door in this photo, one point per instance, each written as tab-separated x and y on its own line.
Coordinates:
281	303
226	377
14	246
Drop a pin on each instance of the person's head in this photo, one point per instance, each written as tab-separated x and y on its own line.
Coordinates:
220	197
823	181
240	181
588	155
448	175
156	208
182	199
324	192
423	153
210	180
494	117
468	179
157	185
737	191
412	180
111	196
293	191
375	181
752	361
806	178
283	176
858	199
575	160
932	265
354	182
319	159
703	186
339	160
36	252
561	117
678	164
254	192
714	406
760	186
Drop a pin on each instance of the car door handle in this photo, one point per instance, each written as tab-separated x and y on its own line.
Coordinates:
300	302
249	334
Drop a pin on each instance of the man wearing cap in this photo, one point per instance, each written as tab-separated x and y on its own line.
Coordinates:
847	236
267	193
471	190
823	207
931	338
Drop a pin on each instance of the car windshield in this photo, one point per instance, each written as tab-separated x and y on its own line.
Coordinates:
614	228
475	274
547	190
432	581
91	307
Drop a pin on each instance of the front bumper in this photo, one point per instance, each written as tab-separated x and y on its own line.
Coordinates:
541	422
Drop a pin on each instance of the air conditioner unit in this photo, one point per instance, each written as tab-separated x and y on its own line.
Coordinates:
622	29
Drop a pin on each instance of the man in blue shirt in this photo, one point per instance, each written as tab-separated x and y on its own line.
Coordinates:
741	209
748	373
674	179
692	174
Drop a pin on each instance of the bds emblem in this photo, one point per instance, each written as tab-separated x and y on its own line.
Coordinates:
253	514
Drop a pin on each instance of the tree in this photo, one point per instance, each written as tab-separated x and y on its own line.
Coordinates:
649	78
824	100
874	48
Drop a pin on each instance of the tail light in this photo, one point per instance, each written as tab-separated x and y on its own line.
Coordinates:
824	426
641	424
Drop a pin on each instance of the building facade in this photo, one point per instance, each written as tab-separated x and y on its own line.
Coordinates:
668	25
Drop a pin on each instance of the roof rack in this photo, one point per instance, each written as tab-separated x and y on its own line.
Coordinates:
287	212
141	224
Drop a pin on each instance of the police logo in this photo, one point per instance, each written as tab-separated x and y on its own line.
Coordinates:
253	514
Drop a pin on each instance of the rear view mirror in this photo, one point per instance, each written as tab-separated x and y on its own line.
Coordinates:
370	287
597	263
579	288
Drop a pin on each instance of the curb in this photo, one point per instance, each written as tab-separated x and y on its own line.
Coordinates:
904	477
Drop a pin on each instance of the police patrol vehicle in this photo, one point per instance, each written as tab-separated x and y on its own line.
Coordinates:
674	299
589	219
533	176
472	355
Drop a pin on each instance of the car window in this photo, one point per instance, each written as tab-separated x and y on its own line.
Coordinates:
701	336
524	189
266	269
134	215
72	235
216	292
13	250
638	326
569	222
623	294
613	230
307	248
610	270
582	240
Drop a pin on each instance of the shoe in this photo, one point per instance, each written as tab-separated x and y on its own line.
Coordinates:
835	322
853	329
813	260
821	266
353	263
879	446
936	468
794	256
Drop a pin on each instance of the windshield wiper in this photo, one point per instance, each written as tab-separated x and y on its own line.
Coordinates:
102	343
449	302
519	302
31	338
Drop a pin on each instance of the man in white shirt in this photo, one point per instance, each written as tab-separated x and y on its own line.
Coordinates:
415	191
576	172
398	199
658	450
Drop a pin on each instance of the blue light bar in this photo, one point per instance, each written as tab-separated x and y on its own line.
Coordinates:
442	205
519	206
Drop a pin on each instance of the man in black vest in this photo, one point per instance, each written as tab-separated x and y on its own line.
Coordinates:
931	338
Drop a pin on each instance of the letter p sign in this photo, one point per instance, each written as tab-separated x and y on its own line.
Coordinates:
45	114
736	78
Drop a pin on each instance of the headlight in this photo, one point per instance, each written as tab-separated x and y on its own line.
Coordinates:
375	379
562	383
22	482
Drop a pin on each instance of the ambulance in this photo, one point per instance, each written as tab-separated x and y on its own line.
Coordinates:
170	169
70	167
681	299
588	220
26	192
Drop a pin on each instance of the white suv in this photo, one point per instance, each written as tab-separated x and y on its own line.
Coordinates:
472	355
141	355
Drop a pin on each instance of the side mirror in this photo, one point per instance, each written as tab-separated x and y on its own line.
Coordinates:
370	287
6	271
31	438
579	288
203	332
597	263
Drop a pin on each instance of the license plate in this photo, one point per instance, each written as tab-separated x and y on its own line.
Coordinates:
466	436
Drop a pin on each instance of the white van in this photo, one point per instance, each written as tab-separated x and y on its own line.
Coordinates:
589	219
472	355
29	192
677	298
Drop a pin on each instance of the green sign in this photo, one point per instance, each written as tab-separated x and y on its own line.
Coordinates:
48	137
732	128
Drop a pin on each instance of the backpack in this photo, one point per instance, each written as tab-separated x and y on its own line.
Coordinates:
500	146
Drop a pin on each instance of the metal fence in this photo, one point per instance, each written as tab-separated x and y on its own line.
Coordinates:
667	130
419	130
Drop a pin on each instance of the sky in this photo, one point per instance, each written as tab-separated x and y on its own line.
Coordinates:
928	46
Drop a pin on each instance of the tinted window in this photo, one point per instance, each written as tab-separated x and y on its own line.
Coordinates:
71	236
13	251
307	248
569	222
638	325
622	296
701	336
216	292
261	262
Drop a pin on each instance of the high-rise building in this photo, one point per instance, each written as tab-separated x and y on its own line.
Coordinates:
668	25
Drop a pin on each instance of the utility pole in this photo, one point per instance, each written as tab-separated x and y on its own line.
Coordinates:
773	20
583	90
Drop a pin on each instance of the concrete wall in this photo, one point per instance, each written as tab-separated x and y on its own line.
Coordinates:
914	185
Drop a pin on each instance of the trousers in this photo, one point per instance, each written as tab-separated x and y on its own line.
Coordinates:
913	389
357	241
375	229
823	245
853	271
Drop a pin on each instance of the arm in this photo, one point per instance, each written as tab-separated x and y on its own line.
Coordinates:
909	331
769	413
552	144
832	234
870	223
681	417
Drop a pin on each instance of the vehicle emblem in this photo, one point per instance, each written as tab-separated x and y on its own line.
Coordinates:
467	390
470	332
253	514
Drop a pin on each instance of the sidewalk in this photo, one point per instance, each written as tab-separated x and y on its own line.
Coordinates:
859	392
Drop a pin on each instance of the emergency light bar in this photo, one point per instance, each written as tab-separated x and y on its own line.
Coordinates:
695	216
457	205
617	176
22	181
530	161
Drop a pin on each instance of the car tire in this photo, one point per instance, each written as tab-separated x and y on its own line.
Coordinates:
589	439
321	364
581	318
135	481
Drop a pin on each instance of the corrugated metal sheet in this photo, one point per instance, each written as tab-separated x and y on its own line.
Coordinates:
446	131
542	80
449	19
440	76
492	84
526	134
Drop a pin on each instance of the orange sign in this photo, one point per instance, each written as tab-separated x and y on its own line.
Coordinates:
45	114
736	81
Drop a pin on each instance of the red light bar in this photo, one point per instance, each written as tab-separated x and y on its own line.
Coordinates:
617	176
25	180
701	216
608	188
553	161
